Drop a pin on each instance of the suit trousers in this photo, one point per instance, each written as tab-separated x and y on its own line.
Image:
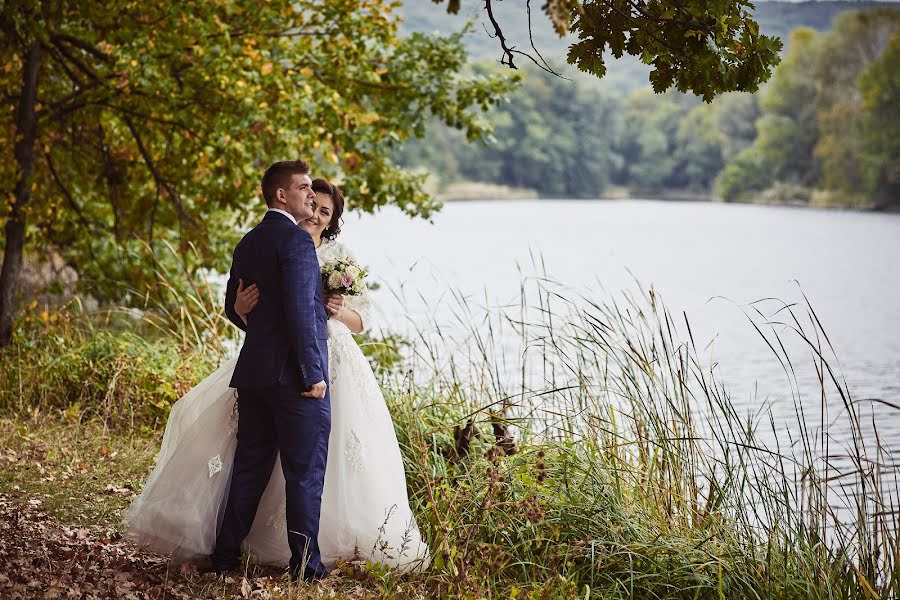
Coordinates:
272	420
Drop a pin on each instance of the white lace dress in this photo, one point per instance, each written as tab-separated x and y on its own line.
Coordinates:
365	509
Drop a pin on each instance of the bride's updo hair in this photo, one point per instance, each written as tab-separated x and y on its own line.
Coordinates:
320	186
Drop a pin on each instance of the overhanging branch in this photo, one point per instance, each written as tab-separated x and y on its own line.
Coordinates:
509	52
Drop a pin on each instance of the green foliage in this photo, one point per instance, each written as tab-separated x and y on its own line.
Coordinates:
816	130
857	40
810	128
552	136
384	352
103	366
744	176
880	125
155	121
573	140
788	128
703	47
699	147
648	140
626	74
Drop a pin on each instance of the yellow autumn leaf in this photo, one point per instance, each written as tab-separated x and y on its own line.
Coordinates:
368	118
307	71
267	68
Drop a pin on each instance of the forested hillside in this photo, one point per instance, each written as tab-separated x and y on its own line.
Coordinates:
775	18
819	132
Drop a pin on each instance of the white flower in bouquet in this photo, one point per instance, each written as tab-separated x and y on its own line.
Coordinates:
343	276
334	280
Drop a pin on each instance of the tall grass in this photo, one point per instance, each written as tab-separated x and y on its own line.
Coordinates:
637	475
634	475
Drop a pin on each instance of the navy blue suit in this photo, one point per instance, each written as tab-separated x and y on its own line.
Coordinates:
284	352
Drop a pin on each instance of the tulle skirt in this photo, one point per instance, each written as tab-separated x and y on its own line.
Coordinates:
365	507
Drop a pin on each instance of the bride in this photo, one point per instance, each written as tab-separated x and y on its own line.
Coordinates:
365	510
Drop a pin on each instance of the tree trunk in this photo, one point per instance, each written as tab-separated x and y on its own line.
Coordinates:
26	132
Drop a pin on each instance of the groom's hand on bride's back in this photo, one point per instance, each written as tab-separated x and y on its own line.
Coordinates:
317	390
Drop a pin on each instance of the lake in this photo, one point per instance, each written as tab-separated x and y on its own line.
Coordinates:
695	255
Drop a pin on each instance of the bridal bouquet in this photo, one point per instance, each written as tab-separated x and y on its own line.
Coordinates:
343	276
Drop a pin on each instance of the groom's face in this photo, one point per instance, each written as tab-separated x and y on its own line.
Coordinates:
300	198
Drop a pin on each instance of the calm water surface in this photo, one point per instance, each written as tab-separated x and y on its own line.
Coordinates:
693	254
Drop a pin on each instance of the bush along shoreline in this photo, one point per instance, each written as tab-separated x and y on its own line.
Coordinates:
609	463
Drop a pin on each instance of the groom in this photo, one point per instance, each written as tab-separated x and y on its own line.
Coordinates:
283	401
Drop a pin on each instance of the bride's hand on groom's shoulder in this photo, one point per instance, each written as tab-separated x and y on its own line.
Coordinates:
247	298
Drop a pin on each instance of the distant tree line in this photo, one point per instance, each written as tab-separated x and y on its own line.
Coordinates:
825	130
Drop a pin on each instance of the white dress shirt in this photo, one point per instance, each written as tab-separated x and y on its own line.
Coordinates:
283	212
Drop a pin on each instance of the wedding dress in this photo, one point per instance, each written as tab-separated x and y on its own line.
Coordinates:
365	509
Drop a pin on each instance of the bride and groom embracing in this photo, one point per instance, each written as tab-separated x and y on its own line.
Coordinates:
287	452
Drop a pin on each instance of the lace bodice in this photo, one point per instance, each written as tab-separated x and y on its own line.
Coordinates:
330	250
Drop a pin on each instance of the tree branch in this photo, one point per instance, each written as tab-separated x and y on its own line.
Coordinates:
84	221
157	176
509	51
58	58
81	44
498	33
69	198
75	61
546	66
133	113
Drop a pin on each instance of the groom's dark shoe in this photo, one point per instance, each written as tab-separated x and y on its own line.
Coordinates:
210	565
307	575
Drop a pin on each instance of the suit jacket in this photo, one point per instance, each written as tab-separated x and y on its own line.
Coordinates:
286	336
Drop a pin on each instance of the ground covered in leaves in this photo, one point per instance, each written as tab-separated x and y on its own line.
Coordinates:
42	558
64	488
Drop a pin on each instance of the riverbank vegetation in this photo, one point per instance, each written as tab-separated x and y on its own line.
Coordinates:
821	132
603	460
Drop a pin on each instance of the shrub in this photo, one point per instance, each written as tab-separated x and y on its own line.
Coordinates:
109	366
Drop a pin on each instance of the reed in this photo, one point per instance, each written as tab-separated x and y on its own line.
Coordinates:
637	475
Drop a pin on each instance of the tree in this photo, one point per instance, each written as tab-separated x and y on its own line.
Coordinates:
648	139
880	125
699	152
702	46
552	135
136	124
746	173
788	129
556	137
856	40
736	116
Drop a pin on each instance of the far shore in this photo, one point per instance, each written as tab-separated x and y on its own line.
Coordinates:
475	191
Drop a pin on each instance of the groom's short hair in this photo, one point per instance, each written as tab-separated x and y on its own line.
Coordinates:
279	175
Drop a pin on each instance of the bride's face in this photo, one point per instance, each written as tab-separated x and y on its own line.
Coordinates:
321	219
